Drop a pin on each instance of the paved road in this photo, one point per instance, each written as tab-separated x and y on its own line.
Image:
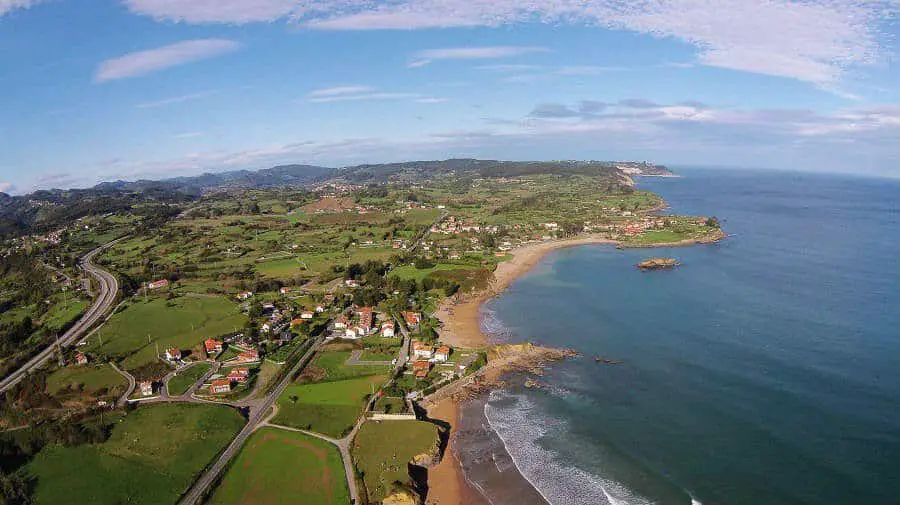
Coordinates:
109	288
131	384
258	413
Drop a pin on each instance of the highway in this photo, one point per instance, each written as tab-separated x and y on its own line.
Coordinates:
109	287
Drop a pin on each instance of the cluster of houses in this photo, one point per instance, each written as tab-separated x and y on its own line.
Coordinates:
223	385
453	225
425	355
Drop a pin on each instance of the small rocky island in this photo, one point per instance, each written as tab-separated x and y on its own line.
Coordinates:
658	264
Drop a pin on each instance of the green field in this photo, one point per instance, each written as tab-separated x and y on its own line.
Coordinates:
333	363
382	450
411	272
88	378
279	467
179	384
183	322
330	408
61	314
151	457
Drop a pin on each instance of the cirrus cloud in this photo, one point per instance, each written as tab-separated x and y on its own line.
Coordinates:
153	60
815	41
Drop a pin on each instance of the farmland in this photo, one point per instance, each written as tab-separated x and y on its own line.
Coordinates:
151	457
134	334
330	408
276	466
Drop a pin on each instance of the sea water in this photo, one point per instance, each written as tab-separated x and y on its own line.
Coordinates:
764	370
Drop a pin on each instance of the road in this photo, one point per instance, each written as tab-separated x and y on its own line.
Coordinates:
256	416
109	288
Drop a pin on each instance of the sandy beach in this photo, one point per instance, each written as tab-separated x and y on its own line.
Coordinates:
447	485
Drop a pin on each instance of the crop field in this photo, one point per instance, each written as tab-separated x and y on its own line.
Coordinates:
179	384
277	467
330	408
382	450
151	457
134	334
89	378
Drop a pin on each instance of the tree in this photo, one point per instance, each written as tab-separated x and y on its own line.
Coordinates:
712	222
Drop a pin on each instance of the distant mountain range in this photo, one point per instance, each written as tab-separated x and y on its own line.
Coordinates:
45	209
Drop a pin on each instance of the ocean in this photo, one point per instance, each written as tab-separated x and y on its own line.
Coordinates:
764	370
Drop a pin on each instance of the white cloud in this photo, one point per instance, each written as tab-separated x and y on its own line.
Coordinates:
809	40
427	56
341	90
145	62
432	100
7	6
7	187
362	97
174	99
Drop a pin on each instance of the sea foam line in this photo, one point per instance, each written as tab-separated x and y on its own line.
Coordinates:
519	428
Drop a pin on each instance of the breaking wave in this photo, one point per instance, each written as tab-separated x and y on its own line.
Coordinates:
492	326
520	426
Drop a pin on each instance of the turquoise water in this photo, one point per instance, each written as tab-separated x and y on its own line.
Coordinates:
765	370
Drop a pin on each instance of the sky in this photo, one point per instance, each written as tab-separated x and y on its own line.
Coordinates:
103	90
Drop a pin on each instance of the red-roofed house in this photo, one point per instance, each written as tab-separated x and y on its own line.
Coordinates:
158	284
306	314
442	353
421	369
249	356
81	358
341	323
387	329
212	345
421	350
220	386
146	388
173	354
244	295
411	318
239	374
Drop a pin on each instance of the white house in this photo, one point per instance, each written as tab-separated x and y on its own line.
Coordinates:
350	333
421	350
146	388
307	315
387	329
442	353
320	309
173	354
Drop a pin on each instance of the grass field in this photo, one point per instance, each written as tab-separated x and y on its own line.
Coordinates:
279	467
333	363
179	384
91	377
183	322
382	450
61	314
151	457
330	408
411	272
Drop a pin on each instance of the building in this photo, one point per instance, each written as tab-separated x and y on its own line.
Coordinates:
146	388
387	329
297	322
341	323
351	283
320	308
351	333
307	314
213	346
220	386
239	374
249	356
81	358
442	353
421	350
421	369
412	318
173	354
366	316
244	295
284	291
158	284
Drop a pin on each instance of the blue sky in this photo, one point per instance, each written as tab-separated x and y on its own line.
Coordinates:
103	90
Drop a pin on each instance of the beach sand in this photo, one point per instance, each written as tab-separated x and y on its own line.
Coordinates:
460	321
447	485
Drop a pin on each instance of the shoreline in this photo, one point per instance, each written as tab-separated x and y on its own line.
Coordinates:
461	327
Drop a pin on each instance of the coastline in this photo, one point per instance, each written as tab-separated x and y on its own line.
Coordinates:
461	327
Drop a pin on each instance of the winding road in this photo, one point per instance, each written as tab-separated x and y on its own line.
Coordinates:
109	288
